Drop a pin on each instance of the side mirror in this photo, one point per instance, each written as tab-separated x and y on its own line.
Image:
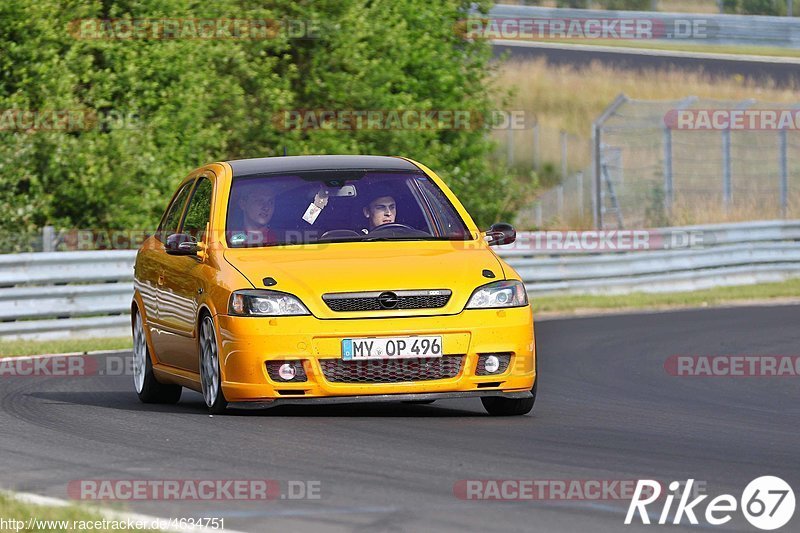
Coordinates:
181	244
500	233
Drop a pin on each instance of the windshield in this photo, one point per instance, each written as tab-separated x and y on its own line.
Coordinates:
340	205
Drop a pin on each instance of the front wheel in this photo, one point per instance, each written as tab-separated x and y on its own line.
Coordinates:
210	379
147	387
498	406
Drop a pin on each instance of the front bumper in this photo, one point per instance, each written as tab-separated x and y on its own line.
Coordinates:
247	343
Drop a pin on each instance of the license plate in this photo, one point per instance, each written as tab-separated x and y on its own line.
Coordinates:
391	348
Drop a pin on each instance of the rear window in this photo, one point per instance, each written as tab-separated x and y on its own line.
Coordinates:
331	206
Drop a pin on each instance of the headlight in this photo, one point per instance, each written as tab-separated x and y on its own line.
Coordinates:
499	294
265	303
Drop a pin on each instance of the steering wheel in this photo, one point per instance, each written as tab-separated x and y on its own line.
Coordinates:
392	225
339	234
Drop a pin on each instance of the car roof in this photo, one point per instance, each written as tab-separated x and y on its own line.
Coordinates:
264	165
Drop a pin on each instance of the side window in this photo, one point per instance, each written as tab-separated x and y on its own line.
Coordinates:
172	217
444	211
199	210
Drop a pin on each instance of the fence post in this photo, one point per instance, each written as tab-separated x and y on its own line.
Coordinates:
597	197
579	184
784	186
669	186
537	154
726	169
667	169
48	237
727	188
560	200
563	155
597	156
510	153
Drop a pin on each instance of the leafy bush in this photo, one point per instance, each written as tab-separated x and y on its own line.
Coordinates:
160	107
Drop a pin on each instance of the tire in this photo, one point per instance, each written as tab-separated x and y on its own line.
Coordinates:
499	406
145	383
210	376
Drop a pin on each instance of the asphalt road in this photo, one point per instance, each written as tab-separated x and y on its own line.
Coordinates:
784	73
607	410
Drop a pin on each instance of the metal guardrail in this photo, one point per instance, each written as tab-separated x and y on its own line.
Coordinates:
746	30
66	294
83	294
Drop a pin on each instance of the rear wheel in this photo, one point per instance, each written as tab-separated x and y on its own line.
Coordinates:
499	406
147	387
210	380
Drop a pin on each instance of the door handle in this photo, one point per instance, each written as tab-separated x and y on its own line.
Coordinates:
161	279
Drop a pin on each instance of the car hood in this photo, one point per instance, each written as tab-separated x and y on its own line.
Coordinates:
310	271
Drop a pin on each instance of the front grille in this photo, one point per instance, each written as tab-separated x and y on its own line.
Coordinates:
504	358
391	370
371	301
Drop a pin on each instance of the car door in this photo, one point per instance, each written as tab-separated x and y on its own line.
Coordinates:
185	283
150	261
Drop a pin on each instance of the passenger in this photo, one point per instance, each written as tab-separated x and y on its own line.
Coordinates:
257	204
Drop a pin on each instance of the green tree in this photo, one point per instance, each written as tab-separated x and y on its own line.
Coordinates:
166	106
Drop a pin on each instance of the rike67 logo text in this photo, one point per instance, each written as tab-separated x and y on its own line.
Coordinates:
767	503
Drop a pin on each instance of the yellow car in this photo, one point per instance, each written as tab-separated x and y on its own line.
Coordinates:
324	279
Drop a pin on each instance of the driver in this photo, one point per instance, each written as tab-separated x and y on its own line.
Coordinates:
381	210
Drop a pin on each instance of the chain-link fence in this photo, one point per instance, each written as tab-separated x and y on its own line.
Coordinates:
691	161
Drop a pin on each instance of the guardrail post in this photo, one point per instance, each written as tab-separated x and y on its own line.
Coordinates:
784	185
48	238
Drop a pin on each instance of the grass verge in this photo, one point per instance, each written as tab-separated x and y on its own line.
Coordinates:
46	519
641	300
33	347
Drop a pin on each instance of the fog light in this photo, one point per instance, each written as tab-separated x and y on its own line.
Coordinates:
491	364
287	371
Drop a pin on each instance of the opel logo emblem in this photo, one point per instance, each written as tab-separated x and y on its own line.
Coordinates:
388	300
